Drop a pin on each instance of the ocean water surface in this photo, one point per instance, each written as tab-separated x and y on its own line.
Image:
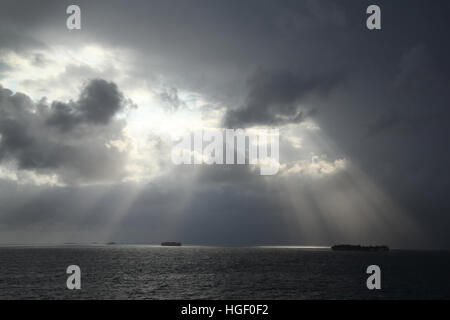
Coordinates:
190	272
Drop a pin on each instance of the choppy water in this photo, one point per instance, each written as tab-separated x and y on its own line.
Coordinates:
150	272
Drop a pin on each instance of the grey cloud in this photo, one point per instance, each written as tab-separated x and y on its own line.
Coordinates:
3	67
169	95
418	94
199	207
276	98
384	121
18	42
67	139
99	101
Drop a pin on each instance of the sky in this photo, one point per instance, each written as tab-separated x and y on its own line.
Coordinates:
87	116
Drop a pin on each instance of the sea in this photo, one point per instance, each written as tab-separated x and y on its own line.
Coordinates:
198	272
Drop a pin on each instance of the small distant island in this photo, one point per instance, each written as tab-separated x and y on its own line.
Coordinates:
171	244
350	247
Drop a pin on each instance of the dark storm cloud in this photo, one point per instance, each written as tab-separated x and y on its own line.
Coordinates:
99	101
11	40
67	139
275	98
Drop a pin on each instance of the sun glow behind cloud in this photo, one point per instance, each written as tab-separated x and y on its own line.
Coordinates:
59	72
